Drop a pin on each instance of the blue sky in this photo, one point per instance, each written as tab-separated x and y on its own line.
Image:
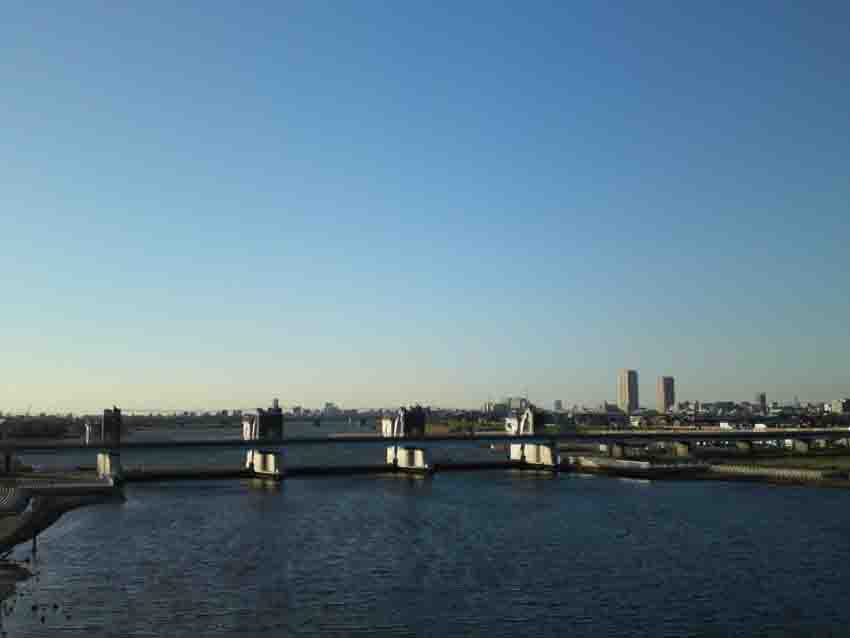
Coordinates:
375	203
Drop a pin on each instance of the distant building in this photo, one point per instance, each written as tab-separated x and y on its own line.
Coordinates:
761	402
610	408
841	406
627	391
331	409
499	410
558	405
720	408
516	403
665	394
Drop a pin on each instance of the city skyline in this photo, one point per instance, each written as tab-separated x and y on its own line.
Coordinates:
131	404
284	201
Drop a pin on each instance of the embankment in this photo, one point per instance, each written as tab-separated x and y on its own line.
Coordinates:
42	512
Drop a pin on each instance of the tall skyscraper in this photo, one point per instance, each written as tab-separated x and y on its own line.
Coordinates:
761	401
627	391
665	394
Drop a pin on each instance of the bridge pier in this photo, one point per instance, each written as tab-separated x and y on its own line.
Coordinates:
10	463
406	457
109	465
536	455
614	450
408	422
543	455
800	446
681	448
264	426
10	459
265	463
109	461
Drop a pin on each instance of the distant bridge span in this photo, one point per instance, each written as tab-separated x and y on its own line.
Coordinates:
607	436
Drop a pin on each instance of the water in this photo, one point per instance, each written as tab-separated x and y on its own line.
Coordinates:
465	554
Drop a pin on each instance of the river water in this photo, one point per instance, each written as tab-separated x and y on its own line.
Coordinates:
496	553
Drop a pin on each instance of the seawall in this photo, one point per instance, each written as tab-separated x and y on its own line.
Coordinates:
42	513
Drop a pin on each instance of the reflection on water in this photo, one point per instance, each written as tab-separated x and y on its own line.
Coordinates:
483	554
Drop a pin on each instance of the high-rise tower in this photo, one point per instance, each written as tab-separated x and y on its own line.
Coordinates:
665	394
627	391
761	402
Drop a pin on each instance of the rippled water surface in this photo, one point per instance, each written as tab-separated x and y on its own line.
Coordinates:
463	554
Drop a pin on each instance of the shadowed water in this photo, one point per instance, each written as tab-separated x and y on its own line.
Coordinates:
468	554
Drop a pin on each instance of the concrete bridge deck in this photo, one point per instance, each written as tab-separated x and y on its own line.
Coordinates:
604	436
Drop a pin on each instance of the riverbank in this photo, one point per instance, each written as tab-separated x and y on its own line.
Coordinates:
44	498
41	513
781	470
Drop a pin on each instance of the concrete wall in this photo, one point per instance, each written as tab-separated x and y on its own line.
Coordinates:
788	474
268	463
408	458
108	465
542	454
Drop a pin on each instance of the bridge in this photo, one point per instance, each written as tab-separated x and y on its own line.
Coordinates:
408	449
30	502
635	437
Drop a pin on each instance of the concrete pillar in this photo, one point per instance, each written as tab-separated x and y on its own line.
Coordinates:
681	448
264	426
109	462
800	446
541	455
406	457
516	452
10	460
744	446
407	423
109	465
545	455
268	463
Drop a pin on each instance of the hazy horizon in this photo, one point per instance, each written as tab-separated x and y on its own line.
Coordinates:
134	404
385	204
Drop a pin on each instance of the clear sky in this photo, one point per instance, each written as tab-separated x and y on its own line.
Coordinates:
374	203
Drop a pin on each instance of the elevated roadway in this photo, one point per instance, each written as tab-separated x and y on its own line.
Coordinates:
628	437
